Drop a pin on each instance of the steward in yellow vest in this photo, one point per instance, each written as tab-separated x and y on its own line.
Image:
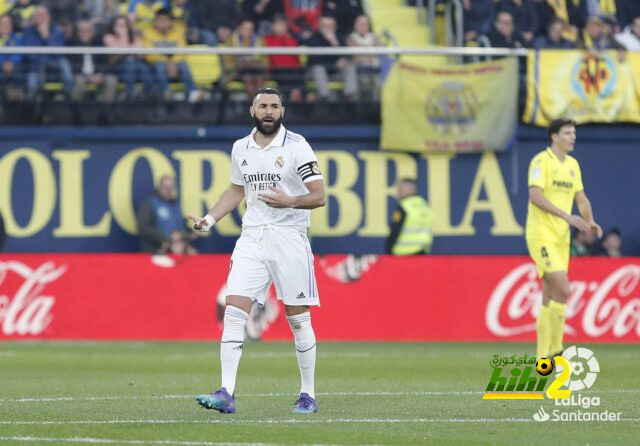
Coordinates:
411	222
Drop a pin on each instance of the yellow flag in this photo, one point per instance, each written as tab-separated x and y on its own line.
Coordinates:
450	108
585	87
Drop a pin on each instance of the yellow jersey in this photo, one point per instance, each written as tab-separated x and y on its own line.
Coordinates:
560	181
174	38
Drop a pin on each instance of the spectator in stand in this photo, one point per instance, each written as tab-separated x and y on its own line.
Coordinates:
22	12
477	18
224	39
102	12
303	16
159	216
90	69
553	40
285	69
207	16
611	243
321	67
368	67
627	11
165	34
183	10
525	18
600	7
593	38
249	69
503	35
610	27
44	33
59	9
573	16
262	12
10	64
583	244
630	37
345	12
142	12
68	28
128	68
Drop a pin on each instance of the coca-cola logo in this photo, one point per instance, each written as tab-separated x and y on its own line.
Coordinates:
28	310
593	307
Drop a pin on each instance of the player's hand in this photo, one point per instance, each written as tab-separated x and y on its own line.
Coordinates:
276	199
595	228
202	224
579	223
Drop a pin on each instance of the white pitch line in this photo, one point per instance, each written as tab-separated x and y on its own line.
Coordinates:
289	421
261	395
92	440
247	395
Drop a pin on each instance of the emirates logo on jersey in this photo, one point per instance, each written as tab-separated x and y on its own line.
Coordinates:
261	177
280	162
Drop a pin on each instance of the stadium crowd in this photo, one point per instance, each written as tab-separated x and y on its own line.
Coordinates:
589	24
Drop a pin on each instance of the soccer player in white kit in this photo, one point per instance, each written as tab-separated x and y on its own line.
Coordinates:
277	172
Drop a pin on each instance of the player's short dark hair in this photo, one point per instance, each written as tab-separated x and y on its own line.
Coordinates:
557	124
267	90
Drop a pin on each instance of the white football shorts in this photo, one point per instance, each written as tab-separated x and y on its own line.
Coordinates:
278	254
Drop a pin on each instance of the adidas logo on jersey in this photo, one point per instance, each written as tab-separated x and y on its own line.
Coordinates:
301	296
244	163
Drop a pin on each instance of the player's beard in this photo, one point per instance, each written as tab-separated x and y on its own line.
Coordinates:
272	130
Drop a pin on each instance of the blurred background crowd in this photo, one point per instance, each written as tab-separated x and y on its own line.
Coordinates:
560	24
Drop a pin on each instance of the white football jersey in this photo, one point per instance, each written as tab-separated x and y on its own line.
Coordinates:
286	163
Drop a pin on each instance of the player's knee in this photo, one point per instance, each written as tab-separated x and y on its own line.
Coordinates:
292	310
241	302
563	292
302	331
235	320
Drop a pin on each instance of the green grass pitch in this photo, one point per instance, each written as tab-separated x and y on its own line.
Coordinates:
368	393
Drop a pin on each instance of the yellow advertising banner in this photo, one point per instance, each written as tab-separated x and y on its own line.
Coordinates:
450	108
586	87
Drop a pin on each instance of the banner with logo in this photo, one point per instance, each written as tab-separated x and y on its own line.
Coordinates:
602	87
135	296
450	108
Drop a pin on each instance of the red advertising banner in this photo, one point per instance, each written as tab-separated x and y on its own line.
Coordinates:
461	298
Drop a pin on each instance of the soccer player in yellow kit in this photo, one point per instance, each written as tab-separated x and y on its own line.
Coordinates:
555	181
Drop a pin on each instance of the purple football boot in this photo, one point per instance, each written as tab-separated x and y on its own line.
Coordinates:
219	400
305	404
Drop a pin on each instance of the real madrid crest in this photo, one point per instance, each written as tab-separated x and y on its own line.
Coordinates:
280	162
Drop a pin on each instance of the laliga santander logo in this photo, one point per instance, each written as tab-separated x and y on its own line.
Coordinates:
27	312
606	306
585	368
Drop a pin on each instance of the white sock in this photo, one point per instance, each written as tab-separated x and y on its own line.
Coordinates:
305	341
231	345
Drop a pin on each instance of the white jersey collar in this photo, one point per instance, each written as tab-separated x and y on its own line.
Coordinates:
278	141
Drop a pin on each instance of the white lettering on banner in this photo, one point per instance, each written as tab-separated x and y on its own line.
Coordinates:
519	292
610	313
28	312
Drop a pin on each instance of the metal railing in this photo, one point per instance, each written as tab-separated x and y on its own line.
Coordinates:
265	51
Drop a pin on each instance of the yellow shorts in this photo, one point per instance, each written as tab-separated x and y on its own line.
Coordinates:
549	257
